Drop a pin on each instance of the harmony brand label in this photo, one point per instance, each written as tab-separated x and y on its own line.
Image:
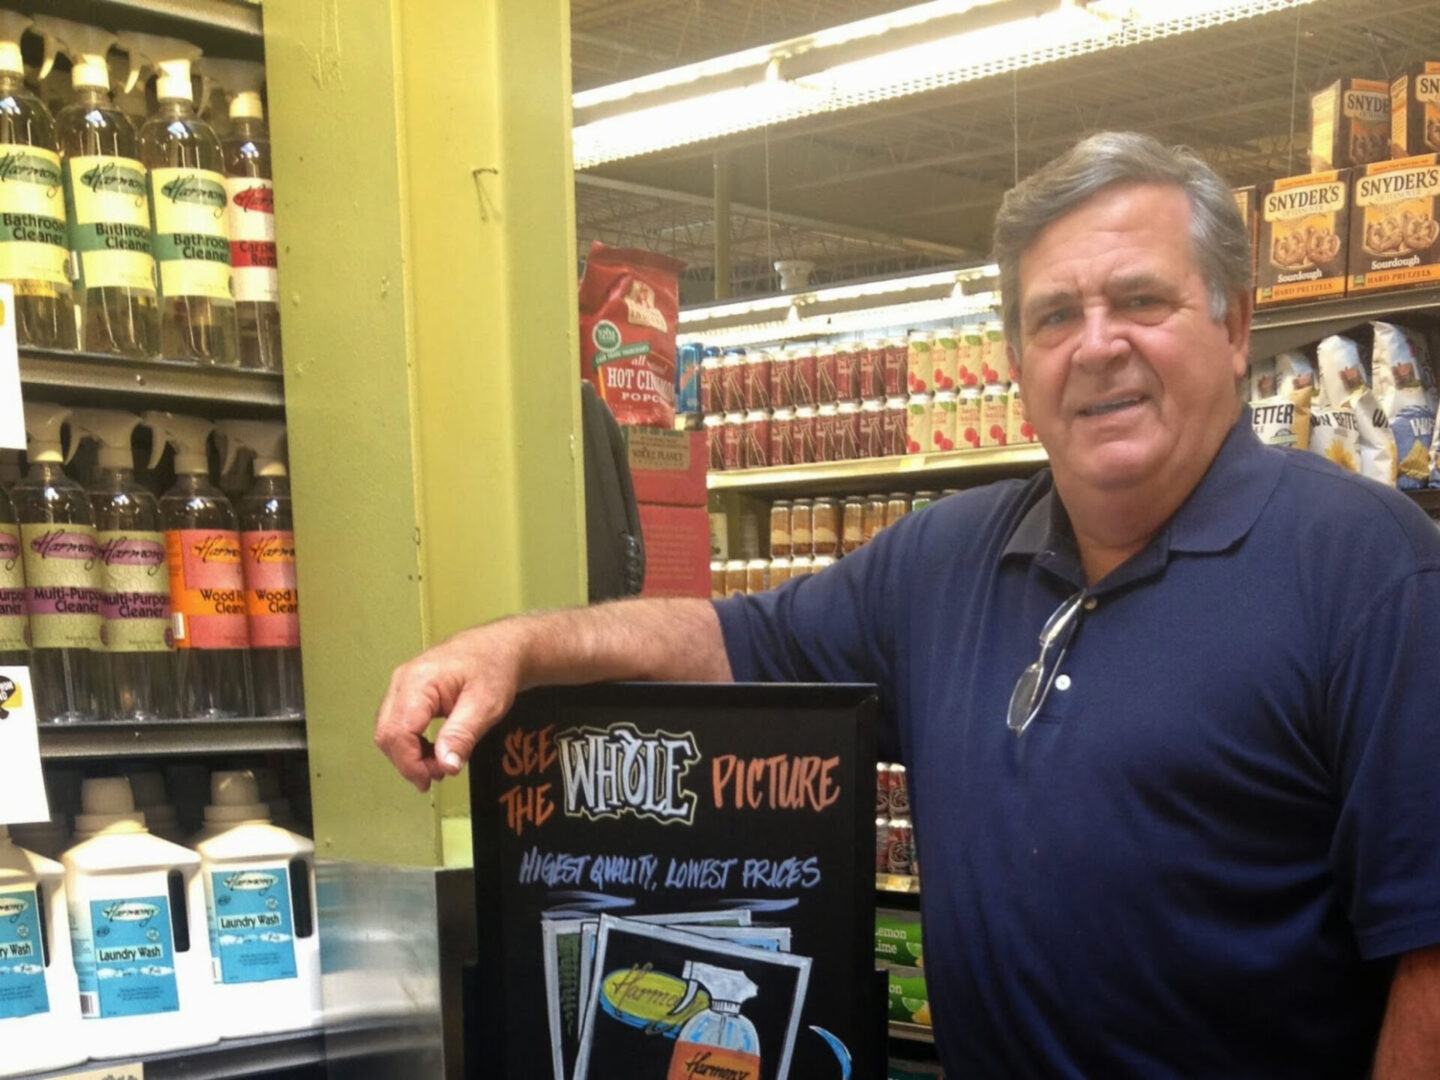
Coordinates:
207	589
22	956
62	585
125	957
252	933
14	621
135	601
271	598
191	244
253	277
109	214
32	220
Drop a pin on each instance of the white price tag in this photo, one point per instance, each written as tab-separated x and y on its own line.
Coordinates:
22	787
12	412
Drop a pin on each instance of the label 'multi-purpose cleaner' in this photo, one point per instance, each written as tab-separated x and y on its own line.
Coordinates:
14	625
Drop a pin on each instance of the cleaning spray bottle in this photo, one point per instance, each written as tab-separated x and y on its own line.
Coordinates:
260	896
187	205
34	251
207	583
267	546
62	573
106	199
14	623
39	997
254	279
718	1036
139	655
137	926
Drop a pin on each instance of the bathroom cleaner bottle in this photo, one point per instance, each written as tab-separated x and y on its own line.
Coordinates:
137	927
106	199
34	251
139	656
148	790
187	206
718	1037
62	573
260	896
14	623
267	551
254	277
207	584
39	997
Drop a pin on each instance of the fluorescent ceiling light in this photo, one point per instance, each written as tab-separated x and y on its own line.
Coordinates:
897	55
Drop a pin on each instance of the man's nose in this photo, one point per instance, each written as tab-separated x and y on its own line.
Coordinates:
1101	340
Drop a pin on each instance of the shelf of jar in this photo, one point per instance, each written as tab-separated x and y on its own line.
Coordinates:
229	28
115	382
91	740
828	475
911	1032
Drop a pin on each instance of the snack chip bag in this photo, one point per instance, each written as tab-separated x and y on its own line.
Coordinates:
1377	441
1335	436
1264	381
1405	390
629	305
1283	420
1342	375
1293	371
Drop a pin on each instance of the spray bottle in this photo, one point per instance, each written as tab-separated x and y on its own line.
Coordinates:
14	623
260	897
207	584
135	604
138	932
34	251
106	198
254	279
718	1035
39	997
62	573
267	543
187	206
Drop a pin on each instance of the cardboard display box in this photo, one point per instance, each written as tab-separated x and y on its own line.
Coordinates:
1304	234
677	550
1395	225
667	467
1349	124
1415	110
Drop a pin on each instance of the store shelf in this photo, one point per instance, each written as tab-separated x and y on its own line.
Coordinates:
830	475
1290	327
170	738
220	27
900	884
911	1032
107	381
229	1058
1429	501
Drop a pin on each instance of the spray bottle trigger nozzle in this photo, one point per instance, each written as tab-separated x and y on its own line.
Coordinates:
49	61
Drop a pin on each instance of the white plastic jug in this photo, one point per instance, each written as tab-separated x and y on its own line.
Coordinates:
137	911
260	902
39	1000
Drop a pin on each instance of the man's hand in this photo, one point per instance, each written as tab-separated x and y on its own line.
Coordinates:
471	679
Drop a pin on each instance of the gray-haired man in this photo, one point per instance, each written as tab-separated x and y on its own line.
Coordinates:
1169	708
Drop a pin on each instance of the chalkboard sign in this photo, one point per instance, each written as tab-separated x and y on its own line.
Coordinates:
677	882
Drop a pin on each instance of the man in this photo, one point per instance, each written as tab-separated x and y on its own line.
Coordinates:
1192	830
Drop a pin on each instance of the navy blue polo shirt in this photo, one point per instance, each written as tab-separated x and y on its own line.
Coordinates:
1197	859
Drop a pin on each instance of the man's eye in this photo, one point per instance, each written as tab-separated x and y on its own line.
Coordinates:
1056	317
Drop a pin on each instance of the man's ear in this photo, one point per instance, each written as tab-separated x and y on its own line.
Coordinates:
1237	330
1013	356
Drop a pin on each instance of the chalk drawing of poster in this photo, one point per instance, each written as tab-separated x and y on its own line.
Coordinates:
666	1003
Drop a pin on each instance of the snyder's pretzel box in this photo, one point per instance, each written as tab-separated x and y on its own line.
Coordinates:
1247	202
1415	110
1394	225
1304	233
1349	124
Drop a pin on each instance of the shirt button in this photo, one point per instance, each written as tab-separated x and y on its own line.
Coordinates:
1091	603
1062	682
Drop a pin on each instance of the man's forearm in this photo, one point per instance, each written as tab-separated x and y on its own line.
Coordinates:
1409	1045
662	640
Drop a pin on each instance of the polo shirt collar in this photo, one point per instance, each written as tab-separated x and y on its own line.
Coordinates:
1219	512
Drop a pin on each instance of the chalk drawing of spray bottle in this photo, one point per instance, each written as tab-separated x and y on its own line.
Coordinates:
717	1041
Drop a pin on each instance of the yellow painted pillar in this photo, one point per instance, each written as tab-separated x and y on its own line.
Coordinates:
424	205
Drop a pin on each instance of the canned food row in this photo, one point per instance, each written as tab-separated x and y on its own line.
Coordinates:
892	790
871	428
922	361
895	846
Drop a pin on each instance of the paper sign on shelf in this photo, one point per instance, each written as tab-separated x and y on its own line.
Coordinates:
22	787
12	411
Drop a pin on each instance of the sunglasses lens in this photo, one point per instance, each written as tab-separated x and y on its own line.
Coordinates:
1022	701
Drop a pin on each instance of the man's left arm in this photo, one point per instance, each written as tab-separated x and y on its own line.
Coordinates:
1409	1046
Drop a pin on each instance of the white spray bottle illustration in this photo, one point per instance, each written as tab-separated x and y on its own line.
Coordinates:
717	1037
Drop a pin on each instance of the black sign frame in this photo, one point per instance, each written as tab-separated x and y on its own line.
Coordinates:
827	888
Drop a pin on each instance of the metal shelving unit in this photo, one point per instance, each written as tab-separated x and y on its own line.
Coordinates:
830	475
111	382
911	1032
1278	329
229	1058
97	740
220	27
